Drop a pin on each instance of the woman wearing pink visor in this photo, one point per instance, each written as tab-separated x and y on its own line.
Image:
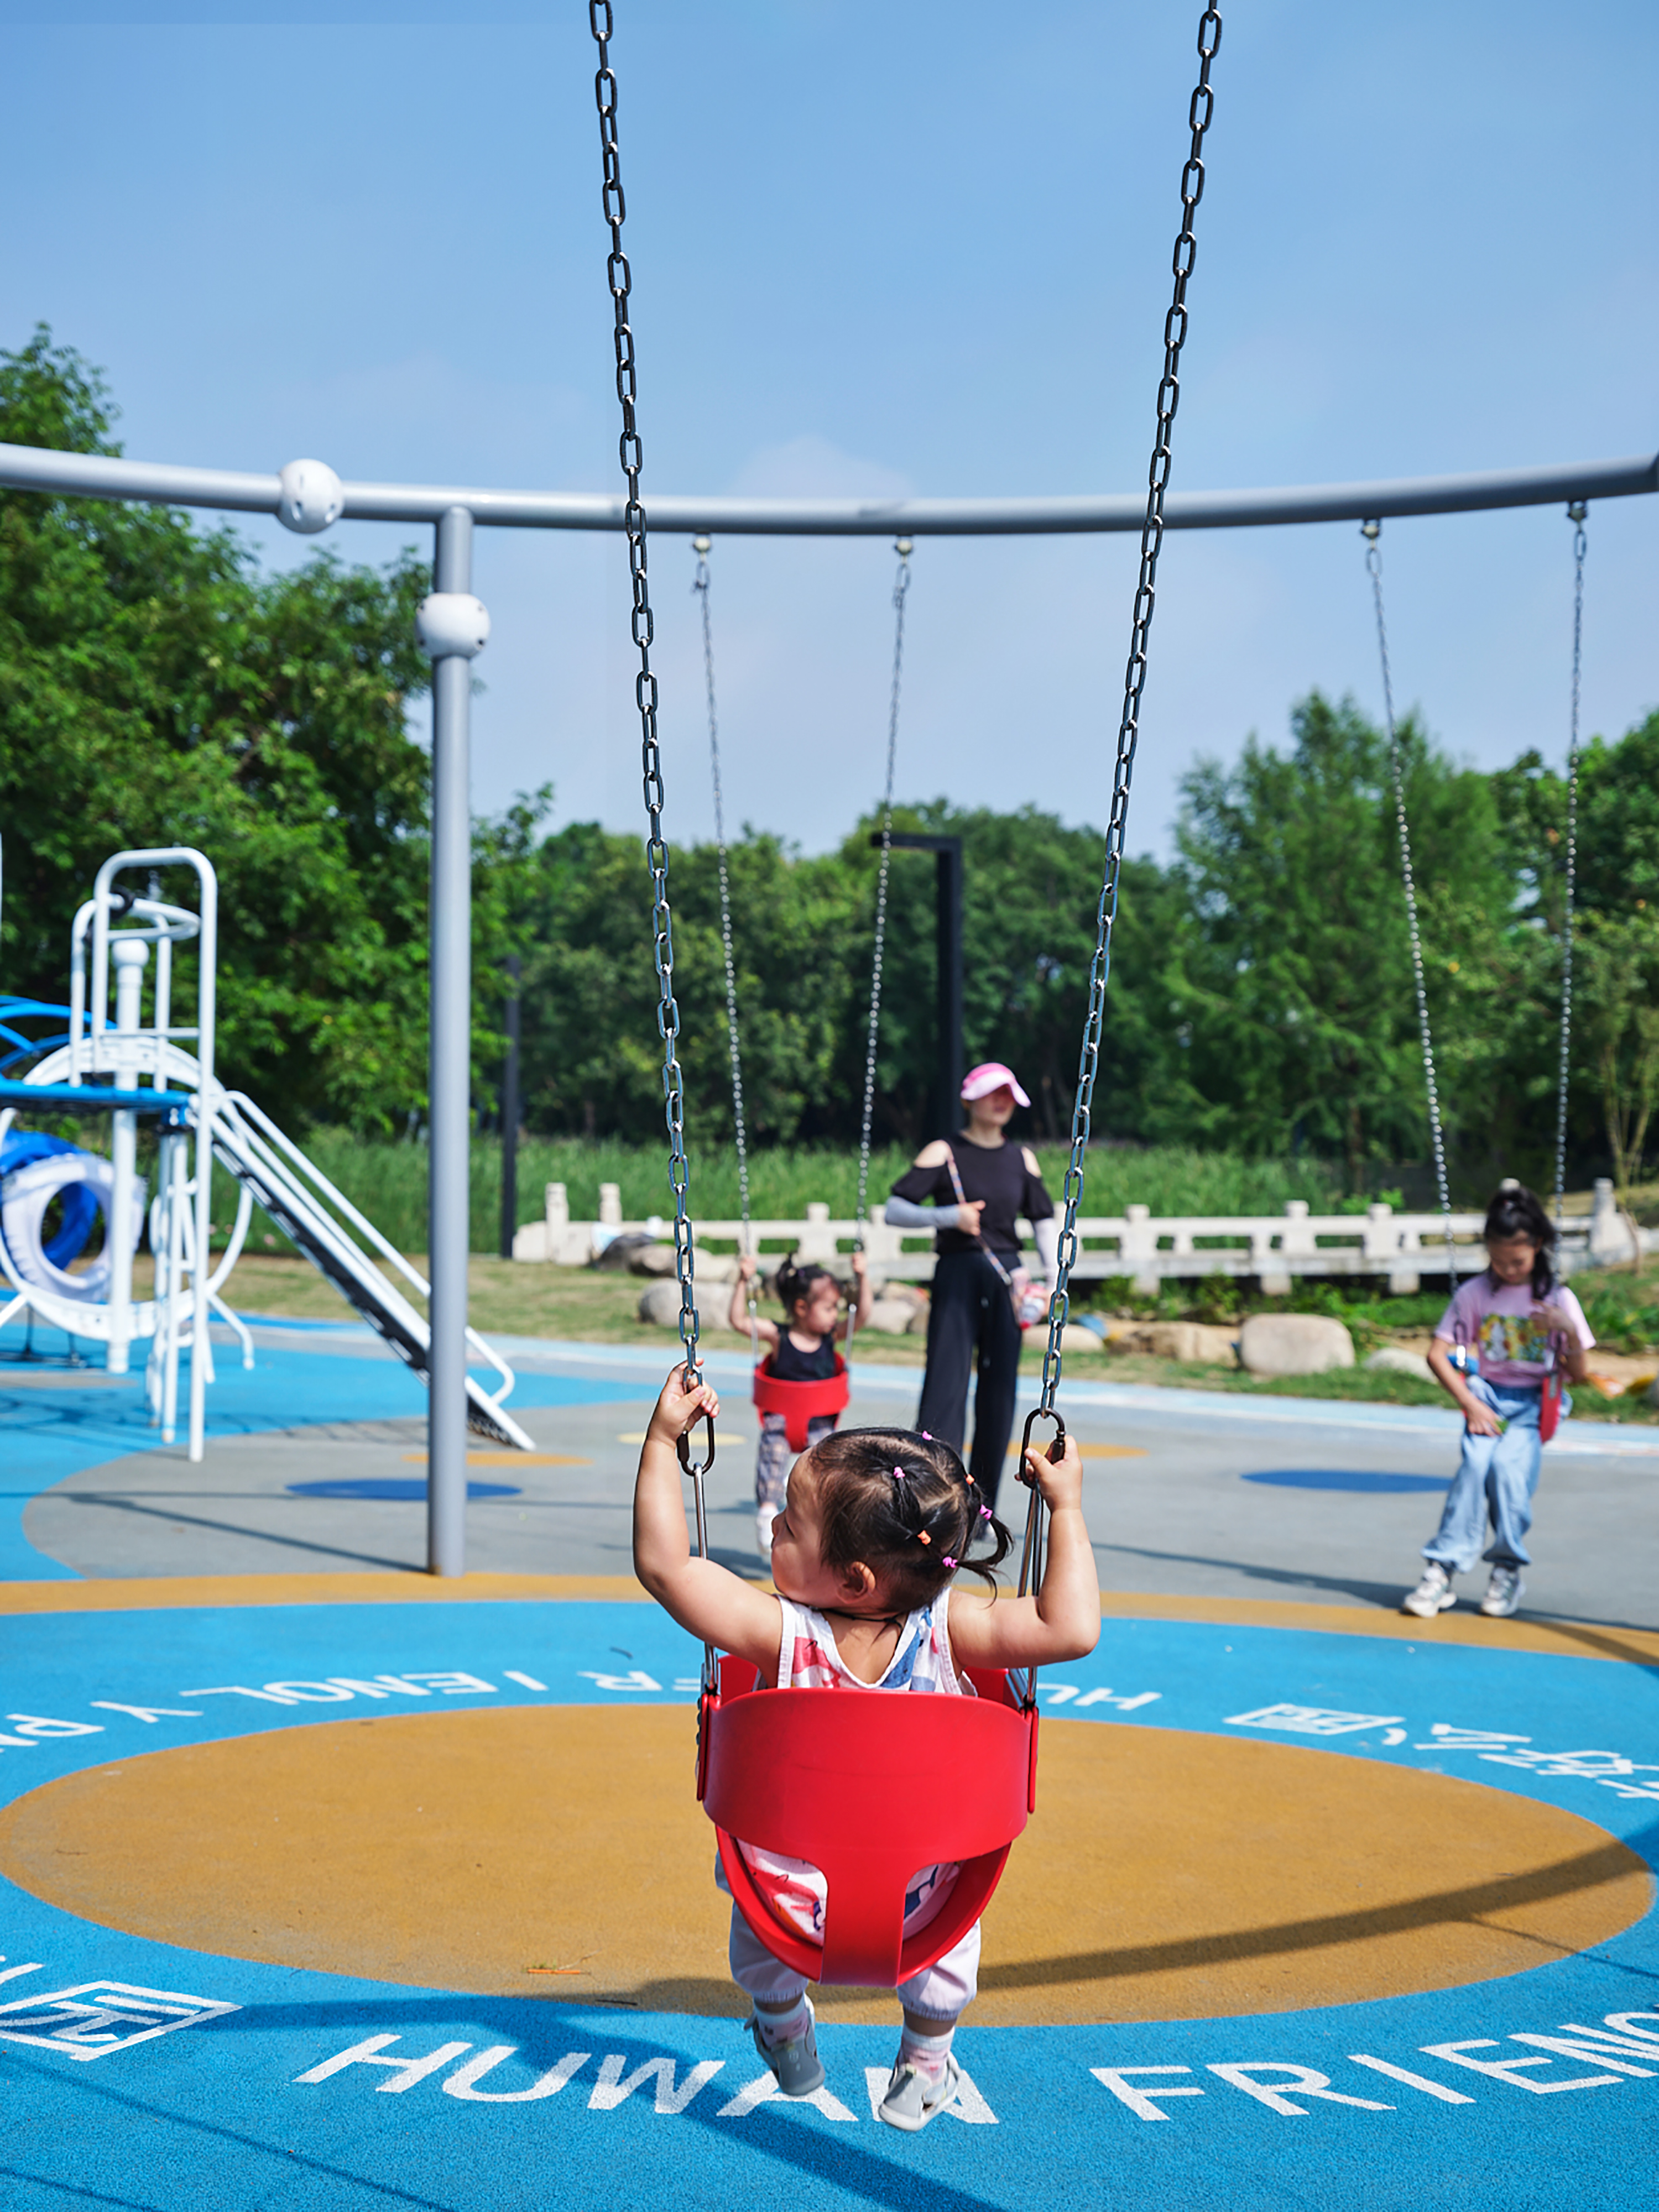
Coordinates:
979	1185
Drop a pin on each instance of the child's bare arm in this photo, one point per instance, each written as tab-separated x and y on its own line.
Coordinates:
1570	1351
867	1297
1481	1420
716	1606
1062	1620
738	1316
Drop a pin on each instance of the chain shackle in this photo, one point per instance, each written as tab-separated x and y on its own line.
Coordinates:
1575	515
1372	532
1199	114
619	277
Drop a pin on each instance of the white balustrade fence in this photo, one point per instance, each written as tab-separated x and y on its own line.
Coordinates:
1149	1249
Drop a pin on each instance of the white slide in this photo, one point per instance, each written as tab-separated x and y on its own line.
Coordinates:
321	1222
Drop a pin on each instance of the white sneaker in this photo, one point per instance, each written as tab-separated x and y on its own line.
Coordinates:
1433	1594
912	2099
796	2063
1504	1592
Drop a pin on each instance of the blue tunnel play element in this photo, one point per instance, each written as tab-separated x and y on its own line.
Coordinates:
79	1207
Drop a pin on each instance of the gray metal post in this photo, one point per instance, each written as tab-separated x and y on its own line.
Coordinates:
949	1058
510	1111
449	1088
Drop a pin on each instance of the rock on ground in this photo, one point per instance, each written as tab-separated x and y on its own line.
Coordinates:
660	1304
1294	1344
889	1316
1391	1359
1192	1340
1075	1337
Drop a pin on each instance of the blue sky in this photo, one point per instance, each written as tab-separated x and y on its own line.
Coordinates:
886	250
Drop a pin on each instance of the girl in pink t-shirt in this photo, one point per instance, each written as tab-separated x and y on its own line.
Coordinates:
1517	1328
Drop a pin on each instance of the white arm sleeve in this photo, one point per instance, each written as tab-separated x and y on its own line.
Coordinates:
905	1213
1047	1243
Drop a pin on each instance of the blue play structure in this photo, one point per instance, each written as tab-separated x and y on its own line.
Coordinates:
115	1058
59	1170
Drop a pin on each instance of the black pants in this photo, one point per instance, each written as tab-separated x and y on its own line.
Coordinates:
970	1324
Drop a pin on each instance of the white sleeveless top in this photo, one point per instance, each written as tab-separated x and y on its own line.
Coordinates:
808	1660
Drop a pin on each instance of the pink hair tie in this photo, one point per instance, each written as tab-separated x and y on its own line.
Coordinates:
950	1562
927	1435
898	1474
984	1512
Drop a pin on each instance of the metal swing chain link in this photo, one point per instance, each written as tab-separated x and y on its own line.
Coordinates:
1371	533
903	547
1575	514
700	585
645	693
1199	114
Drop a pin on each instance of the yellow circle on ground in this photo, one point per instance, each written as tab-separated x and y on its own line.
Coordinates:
558	1851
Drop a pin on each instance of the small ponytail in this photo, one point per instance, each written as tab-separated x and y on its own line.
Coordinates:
796	1284
1517	1211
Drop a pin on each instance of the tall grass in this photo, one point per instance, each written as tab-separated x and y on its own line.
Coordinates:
388	1181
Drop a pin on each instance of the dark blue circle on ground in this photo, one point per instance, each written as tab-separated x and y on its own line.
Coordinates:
1345	1478
393	1487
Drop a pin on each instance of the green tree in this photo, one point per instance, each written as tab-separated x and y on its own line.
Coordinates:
1616	987
155	689
1296	986
1617	891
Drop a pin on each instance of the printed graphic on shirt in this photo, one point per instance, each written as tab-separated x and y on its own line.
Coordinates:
1518	1340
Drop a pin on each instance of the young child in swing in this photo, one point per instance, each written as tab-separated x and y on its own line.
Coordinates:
1519	1325
876	1525
802	1351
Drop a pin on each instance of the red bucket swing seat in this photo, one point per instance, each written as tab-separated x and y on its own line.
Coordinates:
868	1790
800	1402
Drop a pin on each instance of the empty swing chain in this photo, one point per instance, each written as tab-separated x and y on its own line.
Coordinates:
903	547
1575	514
645	692
1200	111
701	546
1371	533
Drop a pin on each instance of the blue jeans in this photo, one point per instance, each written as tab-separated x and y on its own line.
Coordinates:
1496	1477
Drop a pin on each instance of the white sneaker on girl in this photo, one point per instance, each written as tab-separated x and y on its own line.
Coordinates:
1432	1594
913	2098
793	2058
1504	1592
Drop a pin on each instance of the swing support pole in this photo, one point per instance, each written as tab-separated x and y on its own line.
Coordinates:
449	1108
947	855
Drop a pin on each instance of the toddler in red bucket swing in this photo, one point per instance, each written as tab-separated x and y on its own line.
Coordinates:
802	1351
876	1525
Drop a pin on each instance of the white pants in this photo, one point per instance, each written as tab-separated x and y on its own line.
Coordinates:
940	1993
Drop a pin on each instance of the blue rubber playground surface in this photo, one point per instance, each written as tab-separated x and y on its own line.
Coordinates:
163	2077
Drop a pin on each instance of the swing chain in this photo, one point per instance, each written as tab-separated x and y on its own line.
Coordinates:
1199	114
1371	533
1575	514
645	692
701	547
903	547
